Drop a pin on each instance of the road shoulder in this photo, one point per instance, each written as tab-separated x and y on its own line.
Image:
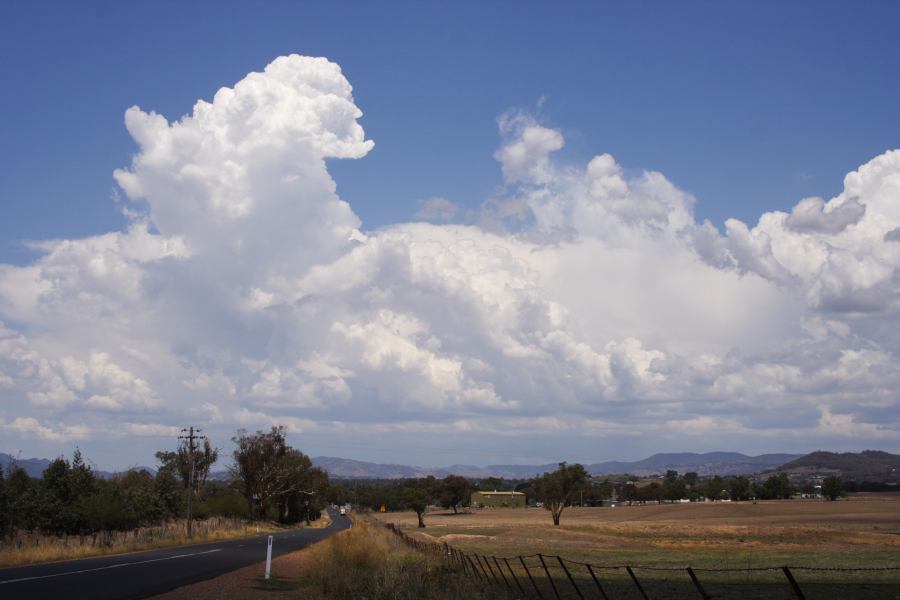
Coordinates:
248	582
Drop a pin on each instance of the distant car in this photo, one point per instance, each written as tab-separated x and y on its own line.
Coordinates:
343	511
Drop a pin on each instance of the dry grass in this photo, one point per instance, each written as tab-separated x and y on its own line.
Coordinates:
369	562
29	548
658	541
852	533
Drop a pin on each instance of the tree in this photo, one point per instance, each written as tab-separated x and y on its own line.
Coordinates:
169	492
777	486
269	470
630	492
739	488
338	493
557	489
455	490
179	463
314	498
416	499
141	503
84	482
832	487
55	503
21	498
675	490
307	485
105	509
714	488
690	478
492	483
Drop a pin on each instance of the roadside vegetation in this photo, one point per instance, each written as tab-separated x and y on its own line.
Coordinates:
369	562
71	512
34	547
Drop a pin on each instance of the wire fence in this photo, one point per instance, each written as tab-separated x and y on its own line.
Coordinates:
550	577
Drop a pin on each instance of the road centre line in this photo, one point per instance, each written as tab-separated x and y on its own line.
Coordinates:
116	566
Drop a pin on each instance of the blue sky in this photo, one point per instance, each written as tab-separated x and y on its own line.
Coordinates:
576	307
749	107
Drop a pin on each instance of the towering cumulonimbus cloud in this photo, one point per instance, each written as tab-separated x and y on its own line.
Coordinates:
582	302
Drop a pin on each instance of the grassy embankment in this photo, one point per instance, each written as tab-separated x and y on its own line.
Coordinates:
30	548
369	562
856	533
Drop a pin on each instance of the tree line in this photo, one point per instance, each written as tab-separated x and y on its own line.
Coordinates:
271	480
556	490
690	486
268	480
566	486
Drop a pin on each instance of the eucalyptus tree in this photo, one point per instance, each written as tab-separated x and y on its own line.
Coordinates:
557	489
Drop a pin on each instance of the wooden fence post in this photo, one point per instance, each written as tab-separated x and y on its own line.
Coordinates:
597	581
483	562
488	563
699	587
794	584
569	575
496	562
462	563
513	573
549	577
637	583
474	568
530	578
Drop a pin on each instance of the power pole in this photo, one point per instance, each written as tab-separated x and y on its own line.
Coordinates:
191	437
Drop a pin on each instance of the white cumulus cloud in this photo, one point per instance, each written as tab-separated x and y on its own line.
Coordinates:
587	305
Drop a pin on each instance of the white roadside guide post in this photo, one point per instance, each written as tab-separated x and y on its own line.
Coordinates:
269	558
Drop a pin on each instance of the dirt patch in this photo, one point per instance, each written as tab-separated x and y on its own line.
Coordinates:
248	582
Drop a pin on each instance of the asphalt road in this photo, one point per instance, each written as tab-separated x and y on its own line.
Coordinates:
143	574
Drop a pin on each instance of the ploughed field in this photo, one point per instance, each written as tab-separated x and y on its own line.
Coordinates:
725	541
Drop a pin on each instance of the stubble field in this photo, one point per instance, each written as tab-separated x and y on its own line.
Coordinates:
860	532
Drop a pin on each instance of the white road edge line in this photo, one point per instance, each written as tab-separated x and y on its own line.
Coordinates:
116	566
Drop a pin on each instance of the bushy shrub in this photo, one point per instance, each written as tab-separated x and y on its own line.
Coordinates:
226	505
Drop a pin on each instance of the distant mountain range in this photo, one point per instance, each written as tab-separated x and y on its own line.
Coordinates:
710	463
718	463
870	465
35	466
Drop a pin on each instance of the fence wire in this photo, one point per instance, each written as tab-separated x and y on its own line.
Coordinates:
551	577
